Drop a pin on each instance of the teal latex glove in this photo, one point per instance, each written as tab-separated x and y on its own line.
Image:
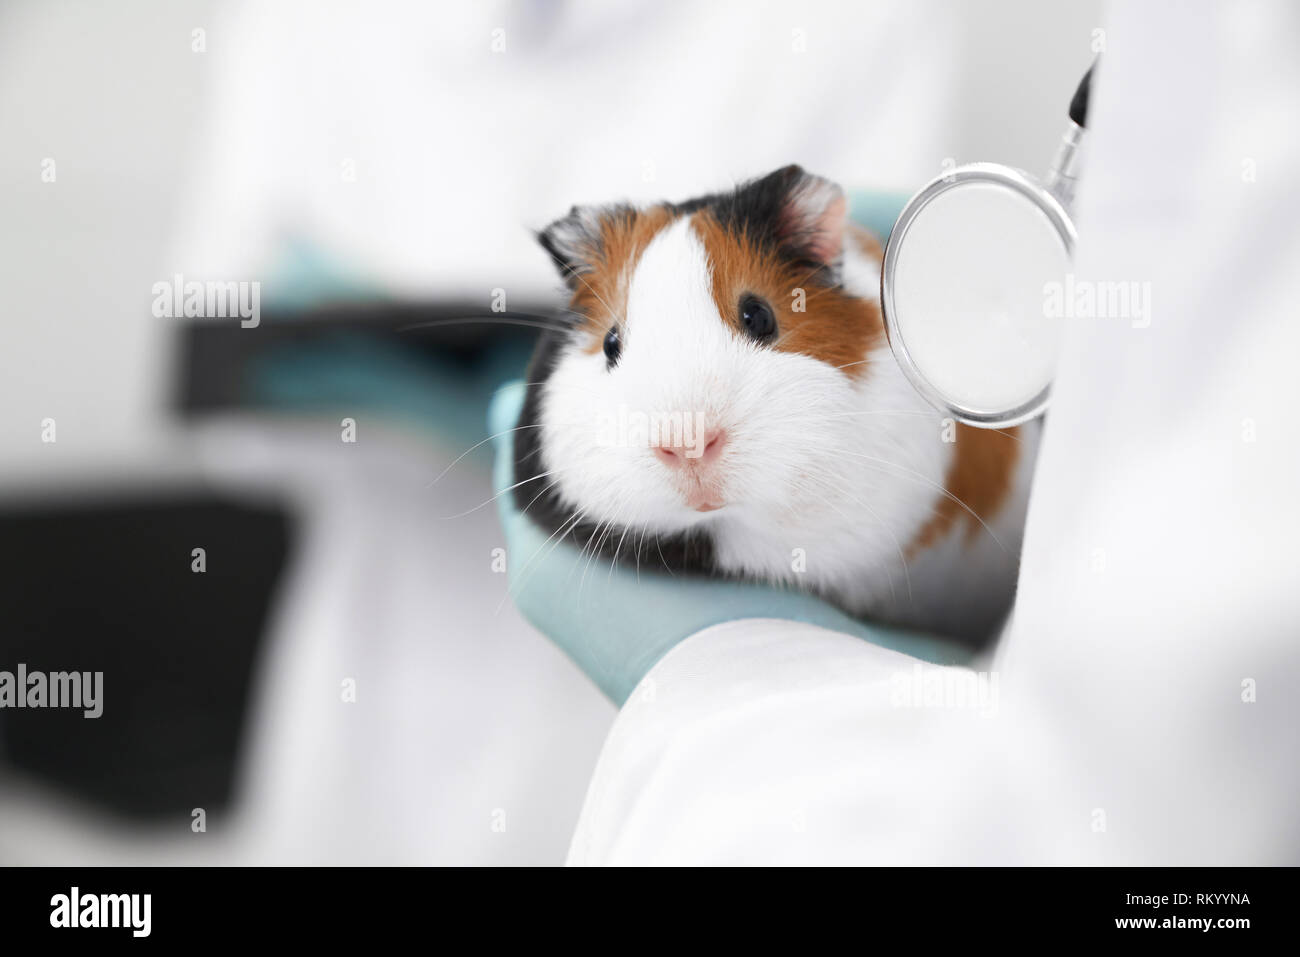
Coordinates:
616	622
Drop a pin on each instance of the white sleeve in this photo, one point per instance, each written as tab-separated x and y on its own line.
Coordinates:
1141	709
773	742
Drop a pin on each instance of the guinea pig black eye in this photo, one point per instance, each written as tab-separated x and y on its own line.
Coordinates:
613	346
756	318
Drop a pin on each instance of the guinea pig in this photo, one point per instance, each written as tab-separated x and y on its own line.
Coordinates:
722	400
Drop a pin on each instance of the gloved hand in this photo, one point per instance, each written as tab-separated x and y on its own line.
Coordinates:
616	622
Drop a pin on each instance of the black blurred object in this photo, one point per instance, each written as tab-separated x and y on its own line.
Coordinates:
217	358
1079	102
108	586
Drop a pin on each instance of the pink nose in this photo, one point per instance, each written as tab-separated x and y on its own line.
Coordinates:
708	448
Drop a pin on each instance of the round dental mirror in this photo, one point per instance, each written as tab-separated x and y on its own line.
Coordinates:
970	274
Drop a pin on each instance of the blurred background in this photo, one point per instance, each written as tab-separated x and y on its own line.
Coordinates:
346	681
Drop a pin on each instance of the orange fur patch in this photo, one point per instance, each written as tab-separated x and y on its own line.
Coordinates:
979	479
866	242
600	293
832	326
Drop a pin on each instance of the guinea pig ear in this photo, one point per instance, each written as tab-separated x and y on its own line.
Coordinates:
805	214
574	241
816	215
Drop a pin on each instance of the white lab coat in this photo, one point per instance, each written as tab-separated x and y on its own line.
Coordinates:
1141	708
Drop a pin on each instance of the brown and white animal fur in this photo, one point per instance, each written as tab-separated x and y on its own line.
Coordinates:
832	475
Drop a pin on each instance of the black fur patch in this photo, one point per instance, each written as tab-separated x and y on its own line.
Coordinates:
758	209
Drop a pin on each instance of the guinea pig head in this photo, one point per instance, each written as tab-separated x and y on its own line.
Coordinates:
712	360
